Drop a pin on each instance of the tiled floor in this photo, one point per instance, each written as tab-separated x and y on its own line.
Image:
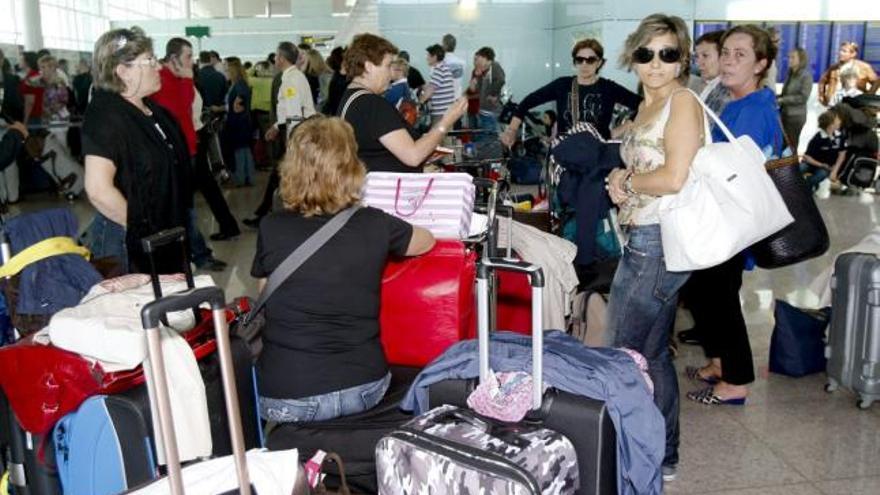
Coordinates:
791	438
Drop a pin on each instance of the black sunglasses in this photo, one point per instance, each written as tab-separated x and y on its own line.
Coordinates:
592	59
644	55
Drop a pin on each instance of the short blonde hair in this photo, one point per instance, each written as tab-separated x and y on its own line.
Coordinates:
116	47
657	25
321	172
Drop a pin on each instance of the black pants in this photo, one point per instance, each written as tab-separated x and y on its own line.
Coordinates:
793	125
714	302
205	182
276	149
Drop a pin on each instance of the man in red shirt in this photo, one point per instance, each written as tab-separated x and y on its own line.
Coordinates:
30	89
177	95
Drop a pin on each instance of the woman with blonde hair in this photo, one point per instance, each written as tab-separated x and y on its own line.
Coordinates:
866	78
136	157
658	149
238	131
321	354
795	93
318	75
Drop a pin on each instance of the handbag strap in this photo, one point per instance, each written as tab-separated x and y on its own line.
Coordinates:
302	253
350	100
417	205
574	102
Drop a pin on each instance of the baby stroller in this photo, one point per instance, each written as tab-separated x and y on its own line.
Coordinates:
859	117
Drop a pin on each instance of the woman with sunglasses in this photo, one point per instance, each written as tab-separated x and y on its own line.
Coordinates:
136	157
746	53
595	96
658	149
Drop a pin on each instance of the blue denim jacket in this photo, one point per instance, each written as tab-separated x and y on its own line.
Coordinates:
603	374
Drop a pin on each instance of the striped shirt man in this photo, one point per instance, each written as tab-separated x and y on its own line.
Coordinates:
444	91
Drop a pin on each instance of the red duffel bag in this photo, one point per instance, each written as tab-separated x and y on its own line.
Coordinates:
514	311
44	382
428	303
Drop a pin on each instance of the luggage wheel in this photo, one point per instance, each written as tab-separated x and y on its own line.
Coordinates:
864	404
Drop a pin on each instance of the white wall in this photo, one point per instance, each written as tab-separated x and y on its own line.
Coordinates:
520	34
248	38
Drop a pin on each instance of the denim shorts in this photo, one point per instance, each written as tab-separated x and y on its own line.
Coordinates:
106	238
322	407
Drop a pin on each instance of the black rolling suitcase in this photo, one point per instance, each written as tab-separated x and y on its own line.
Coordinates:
585	422
353	437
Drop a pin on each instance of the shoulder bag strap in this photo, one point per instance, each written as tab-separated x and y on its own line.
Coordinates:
351	99
301	254
575	102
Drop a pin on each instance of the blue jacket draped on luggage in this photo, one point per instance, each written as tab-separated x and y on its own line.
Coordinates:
609	375
587	160
53	283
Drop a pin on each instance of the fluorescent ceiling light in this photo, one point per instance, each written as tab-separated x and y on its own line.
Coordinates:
467	4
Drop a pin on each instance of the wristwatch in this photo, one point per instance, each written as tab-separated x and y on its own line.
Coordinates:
628	184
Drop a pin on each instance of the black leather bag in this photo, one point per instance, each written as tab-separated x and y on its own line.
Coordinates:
807	236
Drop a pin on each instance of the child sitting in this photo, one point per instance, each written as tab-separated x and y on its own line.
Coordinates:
825	151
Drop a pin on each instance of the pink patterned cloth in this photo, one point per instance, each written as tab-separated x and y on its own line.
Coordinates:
505	396
134	280
642	363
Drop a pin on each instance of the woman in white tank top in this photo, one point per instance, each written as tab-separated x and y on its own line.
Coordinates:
658	150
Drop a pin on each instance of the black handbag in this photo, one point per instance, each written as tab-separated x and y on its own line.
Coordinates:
804	238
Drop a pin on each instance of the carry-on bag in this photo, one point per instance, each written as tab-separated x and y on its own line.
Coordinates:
585	422
475	453
152	315
853	349
727	204
860	172
806	237
427	303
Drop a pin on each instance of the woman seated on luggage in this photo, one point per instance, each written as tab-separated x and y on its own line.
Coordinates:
386	143
658	150
136	158
596	96
321	355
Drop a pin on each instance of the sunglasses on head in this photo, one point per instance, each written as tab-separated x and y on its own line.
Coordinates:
592	59
644	55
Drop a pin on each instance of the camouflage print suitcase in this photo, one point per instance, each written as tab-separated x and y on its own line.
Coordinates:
453	450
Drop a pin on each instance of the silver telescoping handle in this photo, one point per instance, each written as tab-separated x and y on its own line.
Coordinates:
151	315
536	280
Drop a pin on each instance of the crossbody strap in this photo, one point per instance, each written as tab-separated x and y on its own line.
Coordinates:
351	99
299	255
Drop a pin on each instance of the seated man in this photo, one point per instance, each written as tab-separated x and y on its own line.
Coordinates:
825	151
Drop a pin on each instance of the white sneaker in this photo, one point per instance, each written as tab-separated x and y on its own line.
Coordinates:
669	473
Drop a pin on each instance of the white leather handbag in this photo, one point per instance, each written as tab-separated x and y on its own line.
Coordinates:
727	204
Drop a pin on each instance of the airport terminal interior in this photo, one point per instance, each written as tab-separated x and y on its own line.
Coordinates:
492	103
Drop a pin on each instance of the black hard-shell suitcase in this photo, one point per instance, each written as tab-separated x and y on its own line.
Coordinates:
585	422
353	437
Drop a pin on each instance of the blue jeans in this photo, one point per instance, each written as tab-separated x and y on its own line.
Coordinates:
322	407
244	166
199	250
106	238
487	123
817	174
641	311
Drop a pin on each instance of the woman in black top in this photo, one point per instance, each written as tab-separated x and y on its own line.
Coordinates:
338	82
596	96
136	158
386	143
321	354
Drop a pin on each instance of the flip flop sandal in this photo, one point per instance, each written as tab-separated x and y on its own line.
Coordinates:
707	396
693	372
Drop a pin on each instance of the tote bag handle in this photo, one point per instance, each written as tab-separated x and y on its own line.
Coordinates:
418	204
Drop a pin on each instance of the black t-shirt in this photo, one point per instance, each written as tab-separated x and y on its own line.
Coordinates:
596	102
825	148
414	78
153	168
372	117
322	324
